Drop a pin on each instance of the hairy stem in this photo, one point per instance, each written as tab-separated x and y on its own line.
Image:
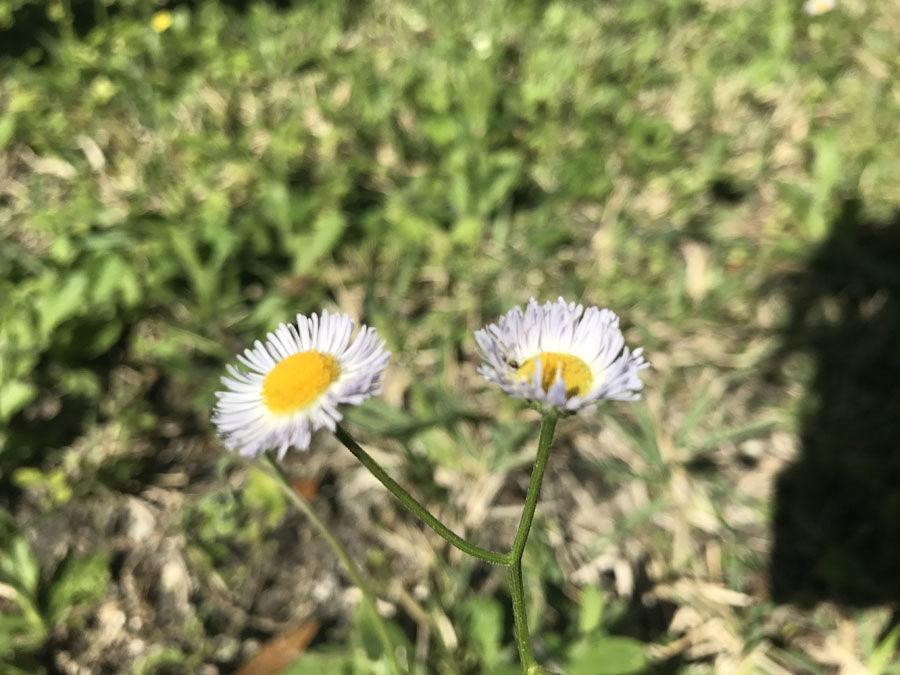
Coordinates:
413	505
512	560
516	582
517	593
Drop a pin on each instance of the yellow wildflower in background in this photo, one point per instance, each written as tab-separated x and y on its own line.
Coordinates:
161	21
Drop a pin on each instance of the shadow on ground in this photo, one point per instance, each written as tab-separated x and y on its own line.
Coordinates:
837	509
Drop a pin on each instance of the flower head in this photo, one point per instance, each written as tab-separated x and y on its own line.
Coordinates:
560	355
293	384
161	21
818	7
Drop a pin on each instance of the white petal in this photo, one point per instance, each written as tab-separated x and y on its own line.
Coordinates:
242	418
590	334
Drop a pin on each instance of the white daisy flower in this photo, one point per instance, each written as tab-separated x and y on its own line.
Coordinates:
293	384
818	7
560	354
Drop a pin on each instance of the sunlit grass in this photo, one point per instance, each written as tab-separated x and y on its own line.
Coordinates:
166	195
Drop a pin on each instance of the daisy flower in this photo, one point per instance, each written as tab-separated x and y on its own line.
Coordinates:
560	355
292	385
818	7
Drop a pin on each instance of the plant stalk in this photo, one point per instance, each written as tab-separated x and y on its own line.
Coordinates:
512	560
284	481
516	581
413	505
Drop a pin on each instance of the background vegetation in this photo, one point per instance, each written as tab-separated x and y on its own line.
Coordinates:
176	178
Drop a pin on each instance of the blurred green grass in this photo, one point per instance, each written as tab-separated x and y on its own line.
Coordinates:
167	196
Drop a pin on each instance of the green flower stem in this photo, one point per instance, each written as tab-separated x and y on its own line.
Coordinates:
413	505
534	488
284	481
511	560
517	593
516	583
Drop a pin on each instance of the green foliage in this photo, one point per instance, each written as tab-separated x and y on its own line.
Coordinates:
591	614
263	499
19	568
366	656
884	656
43	604
484	627
220	520
594	651
167	196
314	663
607	656
370	655
24	628
78	580
52	485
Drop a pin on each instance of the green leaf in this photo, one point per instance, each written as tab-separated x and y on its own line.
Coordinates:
591	613
275	204
53	483
114	280
467	231
13	627
262	495
78	580
19	567
441	129
883	654
62	303
828	171
484	627
17	634
100	340
367	633
320	663
507	167
7	129
607	656
326	234
14	396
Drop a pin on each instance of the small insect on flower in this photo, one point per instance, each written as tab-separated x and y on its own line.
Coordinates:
292	385
560	354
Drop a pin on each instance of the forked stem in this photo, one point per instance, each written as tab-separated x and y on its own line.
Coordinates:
511	560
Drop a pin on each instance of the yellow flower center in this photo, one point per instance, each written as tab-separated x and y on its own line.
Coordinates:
575	373
298	380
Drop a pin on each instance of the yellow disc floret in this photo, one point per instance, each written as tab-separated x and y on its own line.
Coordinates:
298	380
575	373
